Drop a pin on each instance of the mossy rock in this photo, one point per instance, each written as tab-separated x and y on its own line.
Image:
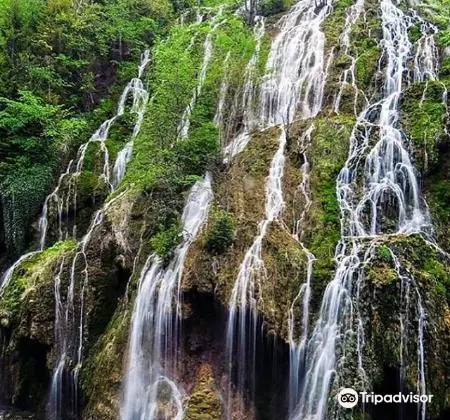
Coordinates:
204	402
321	226
240	191
27	313
29	277
426	271
102	372
423	117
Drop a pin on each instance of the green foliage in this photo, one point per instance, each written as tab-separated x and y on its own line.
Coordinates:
165	242
272	7
198	150
365	35
28	127
327	154
423	117
438	12
438	197
384	253
58	60
221	236
414	33
159	151
441	275
21	193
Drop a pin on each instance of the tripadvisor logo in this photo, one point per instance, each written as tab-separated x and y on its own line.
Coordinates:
348	398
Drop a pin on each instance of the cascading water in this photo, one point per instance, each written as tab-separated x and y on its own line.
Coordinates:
297	347
62	200
139	105
70	327
156	323
294	84
249	119
219	116
389	179
69	322
296	65
348	76
242	318
7	276
185	123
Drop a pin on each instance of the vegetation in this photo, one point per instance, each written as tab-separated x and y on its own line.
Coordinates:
222	234
28	277
63	65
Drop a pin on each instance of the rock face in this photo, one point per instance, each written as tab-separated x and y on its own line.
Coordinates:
72	303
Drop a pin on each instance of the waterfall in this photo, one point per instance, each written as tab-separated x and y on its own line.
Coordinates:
64	197
243	301
249	119
70	326
426	58
388	177
296	65
219	115
7	276
156	323
348	77
69	323
185	124
296	73
297	347
139	106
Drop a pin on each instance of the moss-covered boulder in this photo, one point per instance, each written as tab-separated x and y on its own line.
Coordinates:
204	402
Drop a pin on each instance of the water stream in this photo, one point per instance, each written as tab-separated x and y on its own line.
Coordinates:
294	85
62	201
377	178
150	389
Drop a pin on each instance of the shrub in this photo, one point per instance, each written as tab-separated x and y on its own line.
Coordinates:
165	242
222	234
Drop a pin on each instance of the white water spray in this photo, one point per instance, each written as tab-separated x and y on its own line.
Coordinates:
249	118
63	198
185	124
389	179
294	85
156	322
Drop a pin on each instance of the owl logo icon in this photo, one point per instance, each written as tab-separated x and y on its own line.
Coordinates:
347	398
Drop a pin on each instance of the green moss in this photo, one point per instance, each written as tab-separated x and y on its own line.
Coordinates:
428	273
32	273
327	155
239	190
158	149
335	22
367	63
384	254
365	35
438	195
90	185
285	269
414	32
102	371
437	12
423	118
205	402
273	7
